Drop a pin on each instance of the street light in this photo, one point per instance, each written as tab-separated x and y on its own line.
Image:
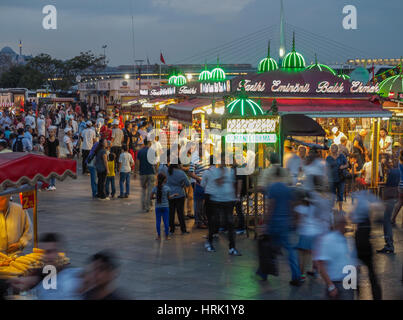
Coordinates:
189	76
127	77
104	47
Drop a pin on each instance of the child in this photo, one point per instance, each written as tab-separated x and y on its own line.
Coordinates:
125	167
162	193
110	178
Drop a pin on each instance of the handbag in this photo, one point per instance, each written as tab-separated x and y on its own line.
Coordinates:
268	251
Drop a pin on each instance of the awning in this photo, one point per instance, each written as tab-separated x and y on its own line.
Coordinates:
19	168
183	111
292	126
328	108
61	100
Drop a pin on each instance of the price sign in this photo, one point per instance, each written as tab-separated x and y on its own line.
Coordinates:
27	199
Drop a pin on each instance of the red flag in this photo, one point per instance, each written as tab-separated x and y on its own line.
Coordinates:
162	58
373	73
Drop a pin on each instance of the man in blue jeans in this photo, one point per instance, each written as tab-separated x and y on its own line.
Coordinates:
92	170
278	221
125	167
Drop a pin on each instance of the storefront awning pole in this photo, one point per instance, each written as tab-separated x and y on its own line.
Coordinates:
35	217
280	139
375	154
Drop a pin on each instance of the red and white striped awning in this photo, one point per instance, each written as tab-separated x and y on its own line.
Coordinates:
4	104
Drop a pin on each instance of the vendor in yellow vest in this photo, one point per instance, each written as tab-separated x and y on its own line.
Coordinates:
15	227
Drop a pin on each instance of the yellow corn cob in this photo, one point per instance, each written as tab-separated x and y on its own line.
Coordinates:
37	250
27	259
19	266
24	260
11	271
3	256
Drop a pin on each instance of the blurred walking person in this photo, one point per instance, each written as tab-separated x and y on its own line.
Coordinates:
177	181
333	254
365	201
100	278
399	204
101	165
390	195
336	164
278	221
147	175
221	185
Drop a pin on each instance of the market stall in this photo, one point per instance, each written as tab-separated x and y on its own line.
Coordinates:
19	175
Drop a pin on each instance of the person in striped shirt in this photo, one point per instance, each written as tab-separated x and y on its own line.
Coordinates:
197	166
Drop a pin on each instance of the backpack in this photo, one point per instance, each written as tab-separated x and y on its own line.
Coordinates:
18	146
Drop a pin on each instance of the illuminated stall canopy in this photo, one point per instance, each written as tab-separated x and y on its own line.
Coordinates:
257	130
180	80
344	76
244	106
172	80
205	75
293	61
267	64
320	67
217	74
391	87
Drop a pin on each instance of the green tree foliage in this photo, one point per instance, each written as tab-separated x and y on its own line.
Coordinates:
58	74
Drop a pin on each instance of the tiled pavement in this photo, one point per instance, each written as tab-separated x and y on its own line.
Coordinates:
180	268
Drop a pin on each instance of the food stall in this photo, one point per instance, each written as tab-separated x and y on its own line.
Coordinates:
19	175
246	127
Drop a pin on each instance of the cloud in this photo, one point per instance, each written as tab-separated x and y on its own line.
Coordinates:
205	7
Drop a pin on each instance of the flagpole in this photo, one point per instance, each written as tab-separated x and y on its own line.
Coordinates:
160	65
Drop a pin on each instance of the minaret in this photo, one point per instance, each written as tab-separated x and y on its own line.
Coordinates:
20	46
281	52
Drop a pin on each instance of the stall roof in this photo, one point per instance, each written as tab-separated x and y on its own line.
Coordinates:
183	111
335	108
61	100
19	168
190	105
292	126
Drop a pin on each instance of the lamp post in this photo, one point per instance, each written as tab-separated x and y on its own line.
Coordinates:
139	65
104	47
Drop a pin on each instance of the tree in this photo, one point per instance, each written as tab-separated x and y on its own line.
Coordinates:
43	69
11	78
50	69
6	63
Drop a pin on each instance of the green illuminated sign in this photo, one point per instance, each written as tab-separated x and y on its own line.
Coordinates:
293	60
267	64
251	138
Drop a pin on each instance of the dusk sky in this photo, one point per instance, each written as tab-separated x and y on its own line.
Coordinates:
182	28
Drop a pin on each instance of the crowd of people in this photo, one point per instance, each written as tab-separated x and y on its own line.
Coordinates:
300	197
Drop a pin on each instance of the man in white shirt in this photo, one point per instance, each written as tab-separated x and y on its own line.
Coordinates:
74	126
367	170
28	137
337	135
5	120
15	227
385	142
117	139
333	255
41	126
125	167
89	138
100	121
68	142
30	120
291	161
